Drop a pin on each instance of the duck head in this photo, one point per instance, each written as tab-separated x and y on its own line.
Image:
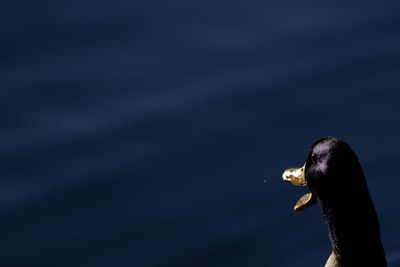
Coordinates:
331	167
336	182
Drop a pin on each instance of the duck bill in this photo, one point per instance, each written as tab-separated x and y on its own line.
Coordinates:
297	177
304	202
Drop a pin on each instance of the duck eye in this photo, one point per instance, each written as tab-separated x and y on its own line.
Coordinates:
313	158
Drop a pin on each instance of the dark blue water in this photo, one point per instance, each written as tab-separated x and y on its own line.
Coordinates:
141	133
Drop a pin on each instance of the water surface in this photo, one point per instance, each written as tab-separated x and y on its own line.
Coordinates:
140	134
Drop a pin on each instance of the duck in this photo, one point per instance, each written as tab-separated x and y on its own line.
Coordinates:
336	182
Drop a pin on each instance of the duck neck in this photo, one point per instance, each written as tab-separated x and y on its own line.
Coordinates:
354	231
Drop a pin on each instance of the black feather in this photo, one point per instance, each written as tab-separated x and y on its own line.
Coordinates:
335	177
